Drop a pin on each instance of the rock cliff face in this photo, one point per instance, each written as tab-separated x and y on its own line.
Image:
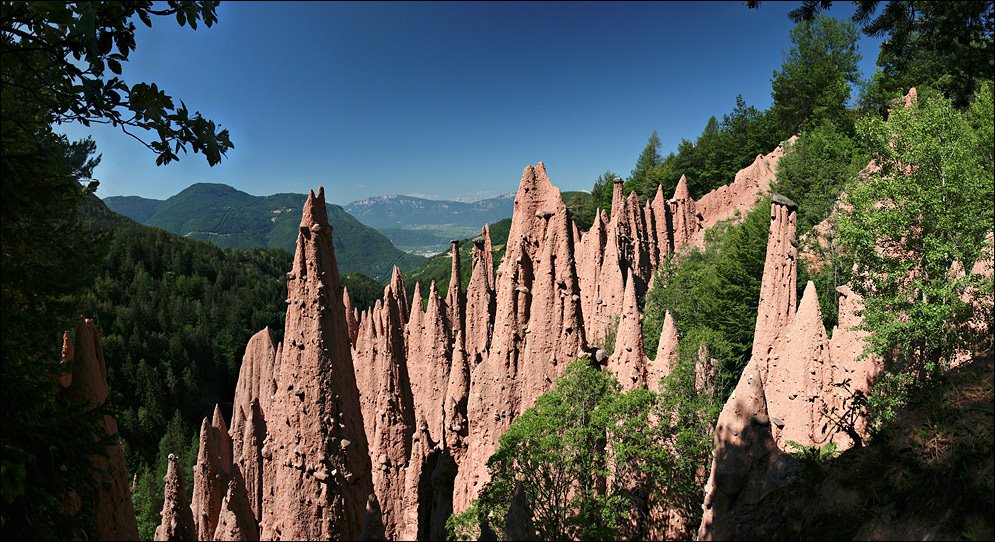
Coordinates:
316	464
787	391
380	424
538	327
177	520
114	514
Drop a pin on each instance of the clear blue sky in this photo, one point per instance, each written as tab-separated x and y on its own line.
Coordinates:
445	100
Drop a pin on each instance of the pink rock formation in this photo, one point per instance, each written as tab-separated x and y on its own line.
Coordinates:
628	362
114	515
538	326
389	414
777	289
746	463
235	520
177	520
351	316
311	419
455	304
638	241
789	390
590	262
480	302
256	385
652	238
315	460
248	453
684	216
667	352
750	184
488	255
412	477
455	407
797	378
429	354
400	293
554	333
211	475
256	380
604	261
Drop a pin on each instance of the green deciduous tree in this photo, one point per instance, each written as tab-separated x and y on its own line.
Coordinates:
689	417
582	454
947	45
56	59
813	171
927	210
715	289
814	81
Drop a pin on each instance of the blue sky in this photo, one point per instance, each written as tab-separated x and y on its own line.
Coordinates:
444	100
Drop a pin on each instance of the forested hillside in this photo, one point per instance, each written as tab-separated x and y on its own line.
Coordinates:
175	315
230	218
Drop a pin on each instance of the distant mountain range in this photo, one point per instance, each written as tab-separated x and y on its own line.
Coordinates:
425	226
230	218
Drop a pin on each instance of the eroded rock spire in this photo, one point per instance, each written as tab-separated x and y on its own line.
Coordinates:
316	462
177	520
628	361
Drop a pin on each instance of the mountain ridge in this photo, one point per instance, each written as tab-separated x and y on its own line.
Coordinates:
230	218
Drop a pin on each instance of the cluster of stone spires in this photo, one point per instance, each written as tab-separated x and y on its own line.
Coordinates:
379	423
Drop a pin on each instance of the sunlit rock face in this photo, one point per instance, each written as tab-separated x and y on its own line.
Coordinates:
316	464
538	325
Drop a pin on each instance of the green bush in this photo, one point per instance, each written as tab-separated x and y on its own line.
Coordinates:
583	454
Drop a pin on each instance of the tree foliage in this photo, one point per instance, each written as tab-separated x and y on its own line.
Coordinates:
813	171
55	62
813	84
648	171
582	454
712	160
923	214
176	315
947	45
46	441
56	59
689	416
715	289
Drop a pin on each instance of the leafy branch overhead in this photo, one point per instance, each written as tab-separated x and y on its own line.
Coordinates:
62	62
